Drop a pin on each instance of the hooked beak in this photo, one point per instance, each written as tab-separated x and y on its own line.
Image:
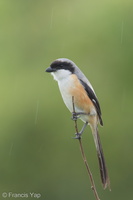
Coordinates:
49	69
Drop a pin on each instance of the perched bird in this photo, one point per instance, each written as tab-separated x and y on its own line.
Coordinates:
73	83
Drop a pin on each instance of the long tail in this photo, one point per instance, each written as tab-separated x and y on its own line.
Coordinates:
102	164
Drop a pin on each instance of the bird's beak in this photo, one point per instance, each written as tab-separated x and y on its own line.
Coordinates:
49	69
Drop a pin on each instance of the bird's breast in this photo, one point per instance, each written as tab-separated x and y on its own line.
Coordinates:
72	87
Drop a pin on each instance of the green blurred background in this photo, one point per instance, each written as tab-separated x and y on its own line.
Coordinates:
37	152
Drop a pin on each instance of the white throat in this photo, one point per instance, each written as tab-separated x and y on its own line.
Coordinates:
61	74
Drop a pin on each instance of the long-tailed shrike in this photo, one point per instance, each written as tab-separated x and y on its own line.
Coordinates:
73	83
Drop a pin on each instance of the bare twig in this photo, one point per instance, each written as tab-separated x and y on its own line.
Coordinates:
93	187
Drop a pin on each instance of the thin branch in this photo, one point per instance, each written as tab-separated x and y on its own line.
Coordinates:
93	187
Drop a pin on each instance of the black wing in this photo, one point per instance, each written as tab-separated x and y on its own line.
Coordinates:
94	100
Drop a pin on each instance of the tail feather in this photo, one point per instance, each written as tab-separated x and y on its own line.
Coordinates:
102	165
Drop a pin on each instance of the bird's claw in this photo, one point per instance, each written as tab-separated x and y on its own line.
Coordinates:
75	116
78	136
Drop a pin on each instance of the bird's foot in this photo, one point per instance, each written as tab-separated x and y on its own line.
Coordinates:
78	136
75	116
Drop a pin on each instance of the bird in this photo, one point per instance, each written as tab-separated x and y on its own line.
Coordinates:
74	84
